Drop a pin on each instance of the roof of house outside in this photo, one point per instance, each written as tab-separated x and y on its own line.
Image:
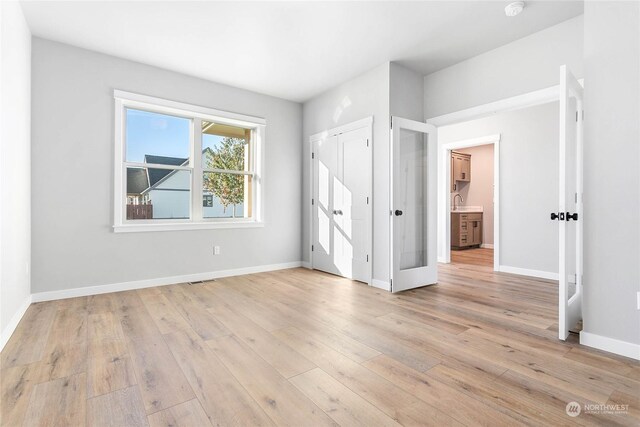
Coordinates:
140	180
137	180
156	175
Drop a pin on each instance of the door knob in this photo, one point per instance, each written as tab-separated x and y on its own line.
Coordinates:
398	212
571	216
554	216
559	216
337	212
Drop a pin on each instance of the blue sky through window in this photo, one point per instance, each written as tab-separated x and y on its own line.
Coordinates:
156	134
211	141
160	135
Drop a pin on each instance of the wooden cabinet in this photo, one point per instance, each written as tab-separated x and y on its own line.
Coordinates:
460	169
466	230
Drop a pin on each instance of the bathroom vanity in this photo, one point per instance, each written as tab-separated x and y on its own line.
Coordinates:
466	228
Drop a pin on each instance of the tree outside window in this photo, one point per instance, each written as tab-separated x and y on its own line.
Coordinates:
229	154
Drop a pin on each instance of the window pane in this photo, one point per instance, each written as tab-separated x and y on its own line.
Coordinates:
225	147
151	137
158	193
230	195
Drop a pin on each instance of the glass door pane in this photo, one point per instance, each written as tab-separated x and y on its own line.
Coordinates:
414	204
410	198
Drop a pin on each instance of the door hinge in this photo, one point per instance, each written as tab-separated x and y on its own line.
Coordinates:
313	156
367	199
367	258
312	201
576	197
576	116
367	142
391	120
311	248
391	283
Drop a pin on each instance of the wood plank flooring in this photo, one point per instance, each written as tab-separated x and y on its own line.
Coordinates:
304	348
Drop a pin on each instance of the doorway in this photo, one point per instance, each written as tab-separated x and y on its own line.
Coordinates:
470	194
542	222
341	163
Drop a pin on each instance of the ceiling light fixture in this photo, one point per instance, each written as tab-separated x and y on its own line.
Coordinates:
514	8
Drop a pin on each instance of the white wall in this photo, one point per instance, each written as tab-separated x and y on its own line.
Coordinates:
364	96
528	183
73	242
612	177
406	93
479	192
15	166
519	67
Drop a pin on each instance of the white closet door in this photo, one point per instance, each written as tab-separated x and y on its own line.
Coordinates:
353	223
325	167
341	209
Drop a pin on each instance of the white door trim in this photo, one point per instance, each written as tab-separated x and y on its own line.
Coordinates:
529	99
444	192
367	122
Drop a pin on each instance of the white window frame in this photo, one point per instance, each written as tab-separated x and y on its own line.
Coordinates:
196	114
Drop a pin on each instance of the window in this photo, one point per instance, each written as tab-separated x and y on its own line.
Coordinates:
181	166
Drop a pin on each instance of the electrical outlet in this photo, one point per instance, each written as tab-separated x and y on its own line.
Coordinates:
216	250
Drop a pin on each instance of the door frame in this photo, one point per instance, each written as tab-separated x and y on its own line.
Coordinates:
367	122
517	102
444	166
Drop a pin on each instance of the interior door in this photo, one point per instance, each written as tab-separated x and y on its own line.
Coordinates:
354	229
341	204
570	204
413	204
325	171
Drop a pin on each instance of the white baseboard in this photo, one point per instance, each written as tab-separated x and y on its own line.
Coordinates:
487	245
307	265
148	283
13	323
612	345
381	284
442	260
527	272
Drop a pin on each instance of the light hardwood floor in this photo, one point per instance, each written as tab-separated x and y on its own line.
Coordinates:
476	256
302	348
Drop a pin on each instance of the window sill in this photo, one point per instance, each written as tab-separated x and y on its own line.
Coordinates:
138	228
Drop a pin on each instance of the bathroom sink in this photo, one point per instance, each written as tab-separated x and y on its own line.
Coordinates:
467	209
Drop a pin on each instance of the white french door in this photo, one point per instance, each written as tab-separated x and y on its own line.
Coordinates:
413	204
570	204
341	203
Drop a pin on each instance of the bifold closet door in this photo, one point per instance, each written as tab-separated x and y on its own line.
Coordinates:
340	207
353	199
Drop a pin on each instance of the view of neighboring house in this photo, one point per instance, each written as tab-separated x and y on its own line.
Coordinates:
154	193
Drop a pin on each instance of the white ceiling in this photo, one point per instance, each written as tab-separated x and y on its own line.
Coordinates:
293	50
